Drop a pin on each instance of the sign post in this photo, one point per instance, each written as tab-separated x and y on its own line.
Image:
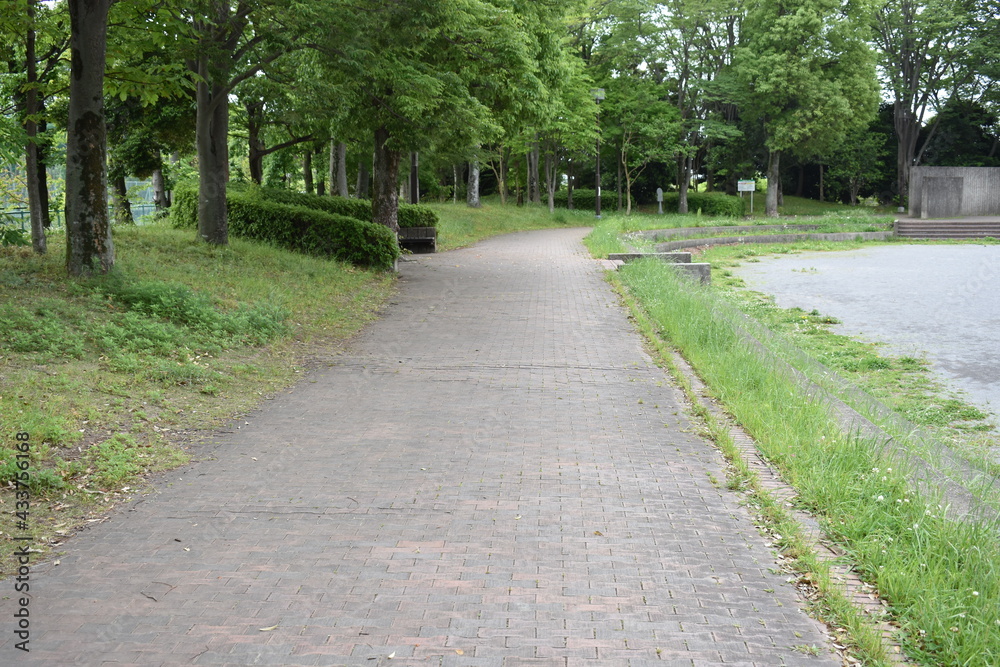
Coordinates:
747	186
659	199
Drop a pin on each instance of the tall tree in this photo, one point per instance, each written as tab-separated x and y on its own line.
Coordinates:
411	69
806	76
232	47
89	248
924	54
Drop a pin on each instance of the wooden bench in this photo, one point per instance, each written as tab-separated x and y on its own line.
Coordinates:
420	238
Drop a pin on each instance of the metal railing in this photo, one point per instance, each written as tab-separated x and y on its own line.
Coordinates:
23	216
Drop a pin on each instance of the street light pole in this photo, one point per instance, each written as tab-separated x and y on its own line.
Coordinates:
598	94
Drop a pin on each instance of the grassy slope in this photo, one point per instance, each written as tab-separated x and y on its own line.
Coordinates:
938	575
109	389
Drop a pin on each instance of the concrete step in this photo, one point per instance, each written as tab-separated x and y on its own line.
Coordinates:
947	230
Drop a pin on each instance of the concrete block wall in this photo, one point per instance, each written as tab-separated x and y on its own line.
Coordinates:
953	192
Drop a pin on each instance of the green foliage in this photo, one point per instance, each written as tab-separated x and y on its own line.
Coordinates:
179	305
255	214
410	215
312	231
13	236
184	205
806	73
583	198
11	233
40	480
712	204
48	328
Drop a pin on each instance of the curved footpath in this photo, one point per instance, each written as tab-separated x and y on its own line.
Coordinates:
495	473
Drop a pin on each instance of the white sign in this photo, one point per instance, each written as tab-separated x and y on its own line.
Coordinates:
746	186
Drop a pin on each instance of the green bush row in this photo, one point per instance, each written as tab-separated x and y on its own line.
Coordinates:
583	198
410	215
253	215
716	204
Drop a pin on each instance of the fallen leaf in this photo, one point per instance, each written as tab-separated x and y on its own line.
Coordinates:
459	651
273	627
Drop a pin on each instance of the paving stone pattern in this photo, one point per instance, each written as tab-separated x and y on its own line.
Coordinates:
495	473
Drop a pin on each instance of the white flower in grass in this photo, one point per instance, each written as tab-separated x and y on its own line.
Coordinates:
975	594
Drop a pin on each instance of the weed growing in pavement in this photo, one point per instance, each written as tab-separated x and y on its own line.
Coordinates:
938	574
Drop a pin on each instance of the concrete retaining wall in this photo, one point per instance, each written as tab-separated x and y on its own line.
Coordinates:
671	246
954	192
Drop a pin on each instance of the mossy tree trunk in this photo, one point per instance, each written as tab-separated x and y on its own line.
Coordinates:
89	248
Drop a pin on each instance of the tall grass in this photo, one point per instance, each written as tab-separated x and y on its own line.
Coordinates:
938	574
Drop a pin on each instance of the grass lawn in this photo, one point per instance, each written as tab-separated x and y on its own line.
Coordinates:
462	226
113	378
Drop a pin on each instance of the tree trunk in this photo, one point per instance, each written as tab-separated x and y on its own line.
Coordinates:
550	179
385	199
214	66
334	168
361	191
534	182
89	248
119	202
773	183
43	176
472	195
255	123
570	184
821	184
907	133
414	178
320	178
454	179
618	179
338	168
683	178
307	171
159	190
212	138
34	165
342	170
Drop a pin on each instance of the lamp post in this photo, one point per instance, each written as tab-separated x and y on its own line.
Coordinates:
598	94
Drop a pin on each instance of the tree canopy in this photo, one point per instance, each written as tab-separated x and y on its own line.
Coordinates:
699	93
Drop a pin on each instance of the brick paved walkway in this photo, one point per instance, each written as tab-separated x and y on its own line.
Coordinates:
494	474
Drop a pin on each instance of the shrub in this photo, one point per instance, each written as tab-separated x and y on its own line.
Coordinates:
184	205
583	199
713	204
253	216
410	215
327	226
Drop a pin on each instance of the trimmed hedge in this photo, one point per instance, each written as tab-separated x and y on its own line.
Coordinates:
583	198
715	204
410	215
252	215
